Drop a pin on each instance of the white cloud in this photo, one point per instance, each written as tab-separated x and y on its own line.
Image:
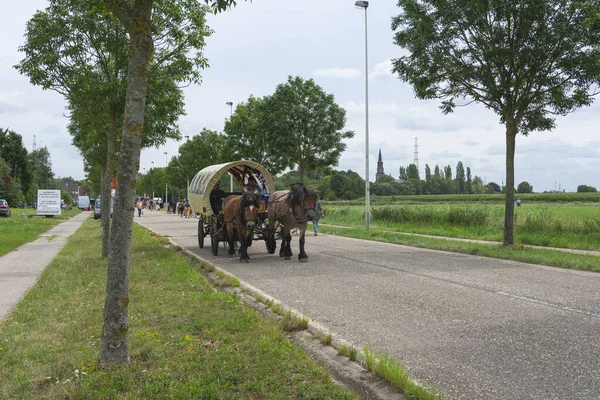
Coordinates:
382	70
470	142
342	73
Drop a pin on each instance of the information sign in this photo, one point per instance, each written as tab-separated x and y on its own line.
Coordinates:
48	202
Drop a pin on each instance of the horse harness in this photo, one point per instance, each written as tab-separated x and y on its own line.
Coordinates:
290	212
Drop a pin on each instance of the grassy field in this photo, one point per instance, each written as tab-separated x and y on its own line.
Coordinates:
16	230
565	225
187	341
478	198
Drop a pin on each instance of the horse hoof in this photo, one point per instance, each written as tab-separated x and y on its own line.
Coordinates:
303	259
287	258
244	260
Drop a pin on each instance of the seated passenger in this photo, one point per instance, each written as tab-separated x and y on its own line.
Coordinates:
252	186
216	197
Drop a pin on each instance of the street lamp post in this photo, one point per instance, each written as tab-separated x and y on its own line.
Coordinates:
230	104
152	180
365	5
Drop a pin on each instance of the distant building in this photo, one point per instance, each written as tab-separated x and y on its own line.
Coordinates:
72	187
380	172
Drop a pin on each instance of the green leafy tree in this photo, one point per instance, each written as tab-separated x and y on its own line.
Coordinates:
469	183
386	186
66	197
586	189
413	172
249	136
41	170
460	177
347	185
306	125
524	187
493	187
136	17
402	174
478	187
448	172
428	185
14	154
200	151
526	61
7	184
78	49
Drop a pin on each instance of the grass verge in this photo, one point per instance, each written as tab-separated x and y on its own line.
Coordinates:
348	351
553	258
16	231
186	340
392	371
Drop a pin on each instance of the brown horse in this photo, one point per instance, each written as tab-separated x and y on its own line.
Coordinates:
240	214
291	209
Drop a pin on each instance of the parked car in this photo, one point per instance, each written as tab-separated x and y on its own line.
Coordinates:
98	210
4	208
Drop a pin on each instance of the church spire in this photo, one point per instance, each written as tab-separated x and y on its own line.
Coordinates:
380	172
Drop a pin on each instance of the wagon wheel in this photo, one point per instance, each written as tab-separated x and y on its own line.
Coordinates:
201	233
214	241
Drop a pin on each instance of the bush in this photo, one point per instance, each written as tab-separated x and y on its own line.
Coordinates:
524	187
586	189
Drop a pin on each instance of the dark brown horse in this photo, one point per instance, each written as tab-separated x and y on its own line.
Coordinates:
240	214
291	209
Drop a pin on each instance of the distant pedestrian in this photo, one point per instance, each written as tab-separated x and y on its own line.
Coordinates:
180	208
318	214
138	205
188	208
518	202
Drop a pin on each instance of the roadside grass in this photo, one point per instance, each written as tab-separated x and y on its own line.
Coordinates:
187	341
348	351
573	226
16	231
555	258
393	372
326	339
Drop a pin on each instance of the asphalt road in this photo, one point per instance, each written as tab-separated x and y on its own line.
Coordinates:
477	328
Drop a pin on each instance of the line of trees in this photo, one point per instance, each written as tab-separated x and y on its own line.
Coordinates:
299	126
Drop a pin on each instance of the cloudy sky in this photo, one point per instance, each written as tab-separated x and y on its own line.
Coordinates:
257	45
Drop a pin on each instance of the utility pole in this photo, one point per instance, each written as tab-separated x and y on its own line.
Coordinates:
230	104
416	159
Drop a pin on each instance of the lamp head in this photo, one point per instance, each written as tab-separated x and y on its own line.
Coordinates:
229	103
362	4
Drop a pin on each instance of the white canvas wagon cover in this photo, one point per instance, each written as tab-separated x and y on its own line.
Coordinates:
205	180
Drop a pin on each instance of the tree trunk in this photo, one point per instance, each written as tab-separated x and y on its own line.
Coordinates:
106	184
509	205
115	341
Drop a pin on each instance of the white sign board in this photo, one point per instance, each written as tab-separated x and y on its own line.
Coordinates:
48	202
